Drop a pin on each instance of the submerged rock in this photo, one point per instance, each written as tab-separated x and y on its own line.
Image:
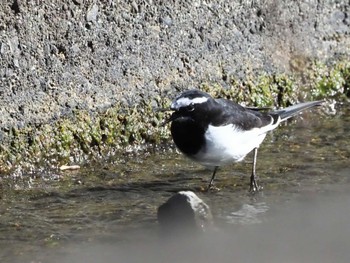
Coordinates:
184	212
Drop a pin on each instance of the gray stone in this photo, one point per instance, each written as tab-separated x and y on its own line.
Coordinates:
184	213
92	13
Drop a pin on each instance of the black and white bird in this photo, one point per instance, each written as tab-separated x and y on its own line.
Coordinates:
215	132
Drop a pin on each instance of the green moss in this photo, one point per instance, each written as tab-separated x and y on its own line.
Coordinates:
266	90
85	136
330	82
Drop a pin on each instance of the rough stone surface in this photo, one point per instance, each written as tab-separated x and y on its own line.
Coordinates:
59	56
184	212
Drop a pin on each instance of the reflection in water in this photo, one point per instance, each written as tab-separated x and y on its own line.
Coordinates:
107	213
248	214
308	229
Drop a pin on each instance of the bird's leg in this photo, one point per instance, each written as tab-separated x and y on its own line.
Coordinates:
254	187
212	178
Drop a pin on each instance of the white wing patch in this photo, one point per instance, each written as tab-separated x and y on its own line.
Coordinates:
225	144
184	102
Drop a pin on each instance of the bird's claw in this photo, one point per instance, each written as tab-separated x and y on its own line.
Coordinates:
254	187
211	188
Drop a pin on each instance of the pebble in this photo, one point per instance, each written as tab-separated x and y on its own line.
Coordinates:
92	13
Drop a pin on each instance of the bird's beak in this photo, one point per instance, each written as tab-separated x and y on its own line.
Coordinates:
173	116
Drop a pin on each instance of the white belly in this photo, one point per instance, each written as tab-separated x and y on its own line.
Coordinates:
227	144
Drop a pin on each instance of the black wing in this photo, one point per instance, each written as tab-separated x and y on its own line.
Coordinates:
244	118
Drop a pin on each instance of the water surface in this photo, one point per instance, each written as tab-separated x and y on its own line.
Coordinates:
107	212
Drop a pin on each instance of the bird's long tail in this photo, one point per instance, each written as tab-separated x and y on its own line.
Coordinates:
291	111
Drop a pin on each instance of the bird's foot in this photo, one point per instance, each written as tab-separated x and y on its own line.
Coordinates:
254	186
210	188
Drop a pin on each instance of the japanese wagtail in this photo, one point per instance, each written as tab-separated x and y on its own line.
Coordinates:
215	132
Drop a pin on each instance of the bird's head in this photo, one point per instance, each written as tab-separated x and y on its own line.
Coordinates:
189	100
189	104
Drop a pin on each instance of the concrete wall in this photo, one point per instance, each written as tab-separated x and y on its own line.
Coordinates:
77	58
58	56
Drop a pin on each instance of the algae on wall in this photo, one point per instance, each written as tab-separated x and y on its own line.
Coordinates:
85	136
75	75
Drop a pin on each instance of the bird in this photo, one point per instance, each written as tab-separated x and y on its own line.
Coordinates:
216	132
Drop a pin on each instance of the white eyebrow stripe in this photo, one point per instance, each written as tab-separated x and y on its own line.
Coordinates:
184	102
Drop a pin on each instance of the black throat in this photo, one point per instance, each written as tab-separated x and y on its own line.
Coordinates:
188	135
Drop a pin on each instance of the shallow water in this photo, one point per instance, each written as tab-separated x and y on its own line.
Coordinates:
107	213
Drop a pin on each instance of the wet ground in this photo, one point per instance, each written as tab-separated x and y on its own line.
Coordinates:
107	213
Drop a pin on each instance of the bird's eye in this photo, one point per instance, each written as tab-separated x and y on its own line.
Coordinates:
190	107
